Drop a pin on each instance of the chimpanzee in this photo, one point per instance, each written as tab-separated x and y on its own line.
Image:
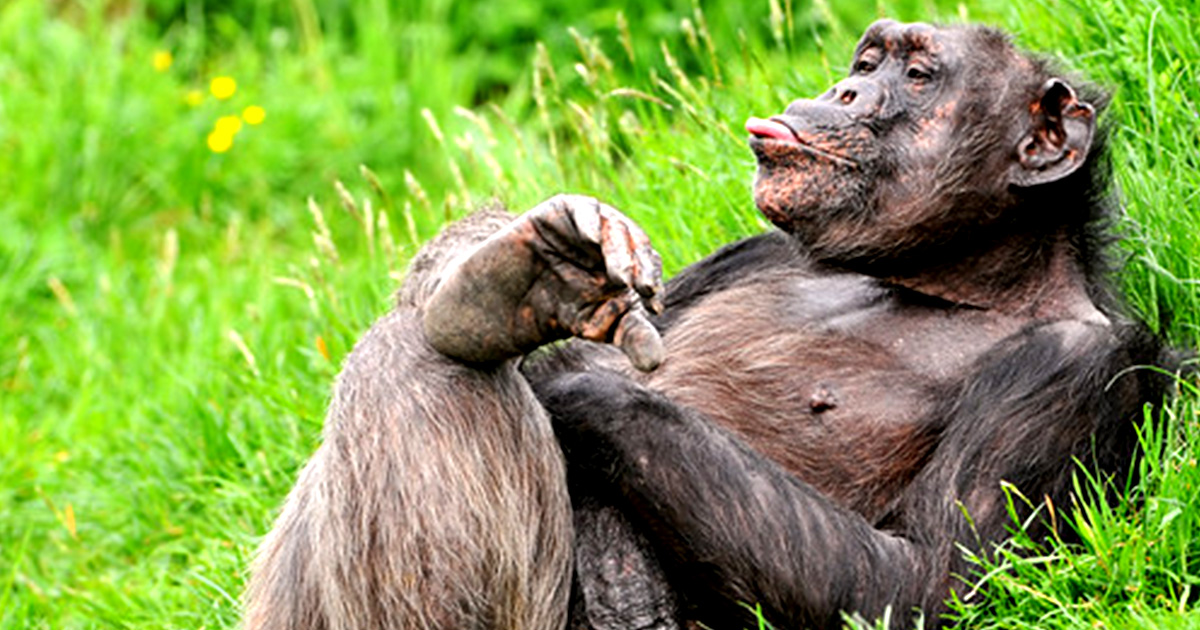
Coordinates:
820	415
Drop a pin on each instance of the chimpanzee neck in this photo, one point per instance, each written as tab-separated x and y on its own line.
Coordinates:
1018	275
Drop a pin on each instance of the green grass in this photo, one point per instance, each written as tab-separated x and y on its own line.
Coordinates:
171	319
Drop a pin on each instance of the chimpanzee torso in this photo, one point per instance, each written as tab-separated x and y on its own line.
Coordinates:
803	353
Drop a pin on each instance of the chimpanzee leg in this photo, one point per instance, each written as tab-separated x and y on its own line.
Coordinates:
618	584
438	498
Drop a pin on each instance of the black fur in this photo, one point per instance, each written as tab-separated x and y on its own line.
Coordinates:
732	527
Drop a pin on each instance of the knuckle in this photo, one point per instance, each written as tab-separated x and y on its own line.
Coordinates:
558	202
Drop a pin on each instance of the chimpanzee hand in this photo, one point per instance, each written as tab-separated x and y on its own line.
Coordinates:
571	266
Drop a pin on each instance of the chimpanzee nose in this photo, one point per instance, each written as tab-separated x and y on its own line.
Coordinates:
855	96
851	91
849	99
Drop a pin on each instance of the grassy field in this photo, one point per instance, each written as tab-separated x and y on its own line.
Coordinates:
180	275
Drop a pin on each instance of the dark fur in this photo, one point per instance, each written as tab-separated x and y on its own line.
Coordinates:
834	396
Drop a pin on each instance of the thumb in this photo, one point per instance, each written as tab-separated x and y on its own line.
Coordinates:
639	340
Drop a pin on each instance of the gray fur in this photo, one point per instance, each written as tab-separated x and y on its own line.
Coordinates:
438	499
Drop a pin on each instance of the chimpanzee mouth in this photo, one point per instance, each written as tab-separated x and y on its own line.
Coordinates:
779	131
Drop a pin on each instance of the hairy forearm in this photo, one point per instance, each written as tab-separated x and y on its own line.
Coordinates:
726	516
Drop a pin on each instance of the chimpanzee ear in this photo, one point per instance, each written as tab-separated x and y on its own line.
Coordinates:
1060	136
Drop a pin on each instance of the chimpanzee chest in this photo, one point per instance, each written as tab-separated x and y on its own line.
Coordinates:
833	377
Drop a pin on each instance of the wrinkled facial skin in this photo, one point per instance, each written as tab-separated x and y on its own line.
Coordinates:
859	166
820	168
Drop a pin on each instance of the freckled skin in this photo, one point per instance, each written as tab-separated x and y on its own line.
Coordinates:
876	158
783	191
570	267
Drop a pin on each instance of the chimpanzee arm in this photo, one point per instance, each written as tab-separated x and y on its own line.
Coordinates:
724	520
1044	400
731	526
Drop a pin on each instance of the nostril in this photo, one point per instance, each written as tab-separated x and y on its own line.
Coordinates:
848	97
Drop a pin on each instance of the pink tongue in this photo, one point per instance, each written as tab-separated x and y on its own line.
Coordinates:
769	129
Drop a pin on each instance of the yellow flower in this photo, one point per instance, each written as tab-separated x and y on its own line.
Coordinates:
162	60
228	125
223	87
253	115
219	141
194	98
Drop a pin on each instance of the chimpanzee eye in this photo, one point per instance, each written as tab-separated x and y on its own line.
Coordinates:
864	67
917	74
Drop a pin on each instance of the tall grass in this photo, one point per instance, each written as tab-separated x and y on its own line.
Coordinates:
171	318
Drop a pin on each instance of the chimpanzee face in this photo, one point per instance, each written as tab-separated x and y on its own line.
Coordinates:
880	132
928	133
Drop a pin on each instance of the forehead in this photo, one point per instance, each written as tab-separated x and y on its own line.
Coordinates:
897	37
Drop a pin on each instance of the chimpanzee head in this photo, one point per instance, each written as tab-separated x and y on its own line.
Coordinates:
938	134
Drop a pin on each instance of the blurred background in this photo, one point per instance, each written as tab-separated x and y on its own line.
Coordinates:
203	204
